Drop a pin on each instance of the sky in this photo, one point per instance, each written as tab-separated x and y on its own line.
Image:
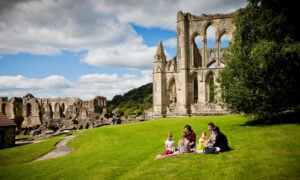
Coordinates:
88	48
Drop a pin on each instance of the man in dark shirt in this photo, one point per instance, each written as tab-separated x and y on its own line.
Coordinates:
191	136
221	143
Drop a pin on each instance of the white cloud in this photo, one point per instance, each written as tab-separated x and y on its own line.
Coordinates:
86	87
49	27
21	82
99	27
130	55
52	26
91	85
171	43
46	87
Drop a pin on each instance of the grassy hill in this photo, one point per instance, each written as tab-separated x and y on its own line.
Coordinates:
127	151
134	102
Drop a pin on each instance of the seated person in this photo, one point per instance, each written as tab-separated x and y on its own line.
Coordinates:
191	136
183	144
202	142
221	143
169	145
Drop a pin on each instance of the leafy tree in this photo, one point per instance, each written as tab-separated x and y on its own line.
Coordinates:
262	62
134	101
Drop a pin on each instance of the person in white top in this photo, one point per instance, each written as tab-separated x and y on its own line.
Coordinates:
169	146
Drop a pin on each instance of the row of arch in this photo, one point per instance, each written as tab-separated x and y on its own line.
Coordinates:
211	43
193	97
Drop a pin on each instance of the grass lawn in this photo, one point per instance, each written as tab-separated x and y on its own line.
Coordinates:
127	151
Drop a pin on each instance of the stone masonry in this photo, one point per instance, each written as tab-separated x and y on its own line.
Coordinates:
186	85
37	116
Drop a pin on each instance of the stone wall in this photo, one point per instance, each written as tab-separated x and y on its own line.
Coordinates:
35	116
186	85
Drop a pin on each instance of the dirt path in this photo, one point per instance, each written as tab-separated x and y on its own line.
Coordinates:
61	149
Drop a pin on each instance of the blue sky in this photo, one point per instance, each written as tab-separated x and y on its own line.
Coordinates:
88	48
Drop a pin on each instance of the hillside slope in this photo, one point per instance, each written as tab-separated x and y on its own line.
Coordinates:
134	102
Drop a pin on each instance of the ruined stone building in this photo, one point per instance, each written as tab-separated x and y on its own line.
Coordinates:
186	85
36	115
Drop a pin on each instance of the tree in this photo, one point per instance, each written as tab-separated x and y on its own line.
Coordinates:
262	62
134	101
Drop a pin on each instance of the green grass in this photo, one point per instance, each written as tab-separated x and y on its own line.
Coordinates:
127	152
27	153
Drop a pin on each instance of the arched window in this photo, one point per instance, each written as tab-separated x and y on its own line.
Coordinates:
28	110
198	42
197	49
224	44
211	37
172	92
210	88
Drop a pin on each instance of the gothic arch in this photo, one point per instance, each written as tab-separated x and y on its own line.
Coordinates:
196	59
224	31
56	107
28	109
196	34
209	86
194	87
169	81
171	91
212	23
158	69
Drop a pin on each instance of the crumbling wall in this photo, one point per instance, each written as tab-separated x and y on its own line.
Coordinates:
37	116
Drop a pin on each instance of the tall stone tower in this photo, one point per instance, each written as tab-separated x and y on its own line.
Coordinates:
186	85
159	82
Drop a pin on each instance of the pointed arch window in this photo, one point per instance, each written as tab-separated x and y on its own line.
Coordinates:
172	92
28	110
224	43
197	49
211	37
210	88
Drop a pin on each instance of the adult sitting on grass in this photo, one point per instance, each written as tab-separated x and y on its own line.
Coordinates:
221	143
212	136
191	136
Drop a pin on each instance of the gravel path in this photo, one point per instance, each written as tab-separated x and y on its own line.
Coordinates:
61	149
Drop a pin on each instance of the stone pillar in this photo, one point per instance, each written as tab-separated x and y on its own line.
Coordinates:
159	83
183	63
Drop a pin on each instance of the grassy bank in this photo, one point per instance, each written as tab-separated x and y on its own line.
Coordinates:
127	152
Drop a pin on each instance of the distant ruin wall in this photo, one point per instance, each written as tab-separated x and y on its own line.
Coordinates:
35	116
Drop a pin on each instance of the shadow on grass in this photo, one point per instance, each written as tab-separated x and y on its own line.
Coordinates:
283	118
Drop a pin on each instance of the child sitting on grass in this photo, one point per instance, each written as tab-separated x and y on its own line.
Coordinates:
169	145
202	143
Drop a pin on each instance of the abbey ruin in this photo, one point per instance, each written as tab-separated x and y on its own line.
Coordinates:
40	116
186	85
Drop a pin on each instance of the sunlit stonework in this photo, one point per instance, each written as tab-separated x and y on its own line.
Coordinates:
186	85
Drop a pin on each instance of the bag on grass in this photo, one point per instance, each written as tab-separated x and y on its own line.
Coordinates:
209	150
